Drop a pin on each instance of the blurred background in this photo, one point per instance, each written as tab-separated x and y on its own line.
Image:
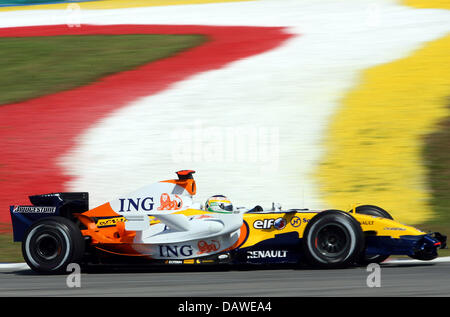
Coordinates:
310	104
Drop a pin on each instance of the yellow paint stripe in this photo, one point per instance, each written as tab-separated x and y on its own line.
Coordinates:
375	140
436	4
115	4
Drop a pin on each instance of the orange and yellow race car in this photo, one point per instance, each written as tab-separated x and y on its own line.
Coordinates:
161	224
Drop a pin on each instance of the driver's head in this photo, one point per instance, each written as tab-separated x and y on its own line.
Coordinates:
219	203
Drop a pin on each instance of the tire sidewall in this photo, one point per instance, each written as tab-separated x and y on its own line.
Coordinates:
344	221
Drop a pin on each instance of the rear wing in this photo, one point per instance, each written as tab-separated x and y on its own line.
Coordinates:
46	205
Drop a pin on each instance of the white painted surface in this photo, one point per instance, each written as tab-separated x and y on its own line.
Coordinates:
291	92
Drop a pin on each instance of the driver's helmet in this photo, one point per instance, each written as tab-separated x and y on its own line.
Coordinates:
219	203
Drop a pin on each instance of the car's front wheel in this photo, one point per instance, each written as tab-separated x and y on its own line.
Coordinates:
52	243
332	239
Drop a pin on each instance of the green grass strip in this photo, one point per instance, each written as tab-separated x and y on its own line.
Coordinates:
31	67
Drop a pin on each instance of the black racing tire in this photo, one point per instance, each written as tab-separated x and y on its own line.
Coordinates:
332	239
373	211
50	244
376	211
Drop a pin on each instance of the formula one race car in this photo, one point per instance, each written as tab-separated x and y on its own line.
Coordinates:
160	224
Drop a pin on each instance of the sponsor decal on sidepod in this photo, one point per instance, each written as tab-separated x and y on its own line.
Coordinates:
136	204
266	254
279	223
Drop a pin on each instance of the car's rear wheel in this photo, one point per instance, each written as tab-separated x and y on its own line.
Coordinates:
332	239
376	211
50	244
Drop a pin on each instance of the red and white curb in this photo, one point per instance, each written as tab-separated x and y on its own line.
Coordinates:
13	267
294	88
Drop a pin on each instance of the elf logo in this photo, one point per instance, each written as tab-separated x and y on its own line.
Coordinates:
279	223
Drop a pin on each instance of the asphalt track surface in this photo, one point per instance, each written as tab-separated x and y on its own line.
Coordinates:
396	279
